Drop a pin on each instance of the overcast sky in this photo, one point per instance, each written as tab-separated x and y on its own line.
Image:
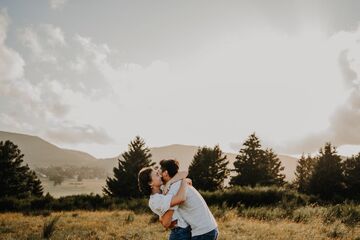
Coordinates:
91	75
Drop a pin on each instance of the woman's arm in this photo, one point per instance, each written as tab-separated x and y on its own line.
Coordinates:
166	219
180	196
179	176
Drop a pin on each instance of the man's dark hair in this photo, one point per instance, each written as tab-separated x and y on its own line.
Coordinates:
144	180
170	165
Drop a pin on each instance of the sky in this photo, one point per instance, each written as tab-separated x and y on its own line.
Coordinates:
91	75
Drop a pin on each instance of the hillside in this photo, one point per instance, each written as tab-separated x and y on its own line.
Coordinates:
40	153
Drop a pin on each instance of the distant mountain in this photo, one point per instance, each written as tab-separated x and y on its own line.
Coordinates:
184	154
40	153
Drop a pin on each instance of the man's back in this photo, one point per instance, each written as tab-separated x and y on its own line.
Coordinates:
195	211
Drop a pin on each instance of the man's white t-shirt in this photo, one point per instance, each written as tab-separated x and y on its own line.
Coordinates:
194	210
160	203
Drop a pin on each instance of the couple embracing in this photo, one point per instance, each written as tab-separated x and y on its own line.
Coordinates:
180	206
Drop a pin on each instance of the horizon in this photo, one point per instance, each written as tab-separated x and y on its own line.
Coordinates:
297	156
194	73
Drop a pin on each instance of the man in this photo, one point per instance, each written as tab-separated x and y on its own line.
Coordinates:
194	209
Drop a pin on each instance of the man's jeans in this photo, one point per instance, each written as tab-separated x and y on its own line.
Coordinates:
212	235
179	233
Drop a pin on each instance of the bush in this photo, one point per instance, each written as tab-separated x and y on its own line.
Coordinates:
263	213
347	213
255	197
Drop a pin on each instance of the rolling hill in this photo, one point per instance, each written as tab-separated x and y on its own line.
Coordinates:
40	153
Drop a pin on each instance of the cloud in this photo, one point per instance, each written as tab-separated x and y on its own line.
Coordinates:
67	133
344	122
42	40
55	34
126	79
43	107
31	40
57	4
349	75
79	65
11	63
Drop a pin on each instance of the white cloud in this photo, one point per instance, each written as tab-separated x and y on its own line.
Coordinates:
79	65
11	63
31	40
344	120
44	41
57	4
68	133
40	107
55	35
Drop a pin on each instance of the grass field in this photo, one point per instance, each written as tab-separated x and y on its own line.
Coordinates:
129	225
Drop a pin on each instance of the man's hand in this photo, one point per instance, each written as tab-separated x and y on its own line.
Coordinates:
189	181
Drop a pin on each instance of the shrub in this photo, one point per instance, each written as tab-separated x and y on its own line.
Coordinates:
347	213
255	197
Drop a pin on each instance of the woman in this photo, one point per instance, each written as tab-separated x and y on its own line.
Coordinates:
150	184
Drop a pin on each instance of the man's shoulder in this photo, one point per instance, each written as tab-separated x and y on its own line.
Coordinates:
174	187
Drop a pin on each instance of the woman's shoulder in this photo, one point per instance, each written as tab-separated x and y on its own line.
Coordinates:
155	197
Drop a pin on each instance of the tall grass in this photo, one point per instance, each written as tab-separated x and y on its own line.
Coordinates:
49	227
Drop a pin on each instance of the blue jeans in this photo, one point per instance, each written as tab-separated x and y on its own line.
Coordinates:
212	235
179	233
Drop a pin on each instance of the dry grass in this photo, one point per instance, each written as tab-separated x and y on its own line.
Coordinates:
128	225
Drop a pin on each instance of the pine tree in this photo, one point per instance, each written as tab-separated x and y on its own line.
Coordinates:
352	176
274	169
208	169
327	179
255	166
303	173
16	179
124	184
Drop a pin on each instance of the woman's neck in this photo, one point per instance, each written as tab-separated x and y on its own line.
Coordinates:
155	190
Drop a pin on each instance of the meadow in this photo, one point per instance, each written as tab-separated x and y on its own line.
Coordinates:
270	223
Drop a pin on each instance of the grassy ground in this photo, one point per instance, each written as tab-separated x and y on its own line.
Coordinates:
129	225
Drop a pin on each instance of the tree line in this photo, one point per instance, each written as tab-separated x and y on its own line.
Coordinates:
325	175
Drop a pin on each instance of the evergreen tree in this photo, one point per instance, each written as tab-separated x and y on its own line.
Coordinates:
247	163
124	184
327	179
352	176
255	166
208	169
303	173
274	168
16	179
